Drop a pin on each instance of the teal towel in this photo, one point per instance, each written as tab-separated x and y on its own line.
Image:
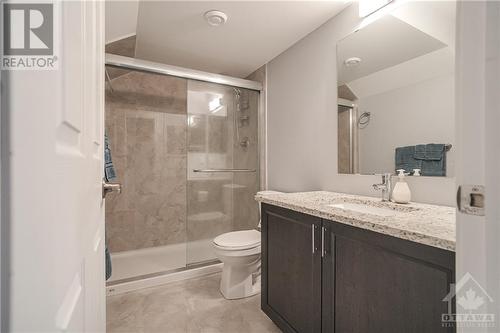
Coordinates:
405	159
420	152
109	268
435	151
109	169
433	159
110	175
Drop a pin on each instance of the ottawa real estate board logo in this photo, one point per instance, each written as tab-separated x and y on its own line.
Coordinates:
472	303
28	32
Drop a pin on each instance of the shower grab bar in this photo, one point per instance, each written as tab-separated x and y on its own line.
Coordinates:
224	170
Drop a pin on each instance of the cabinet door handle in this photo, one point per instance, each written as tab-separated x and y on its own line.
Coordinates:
313	228
322	242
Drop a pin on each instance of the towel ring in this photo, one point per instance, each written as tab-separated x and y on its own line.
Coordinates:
364	119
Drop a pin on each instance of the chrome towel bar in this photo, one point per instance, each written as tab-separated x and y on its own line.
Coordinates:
224	170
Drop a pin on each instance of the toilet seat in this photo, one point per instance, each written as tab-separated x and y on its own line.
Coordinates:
238	240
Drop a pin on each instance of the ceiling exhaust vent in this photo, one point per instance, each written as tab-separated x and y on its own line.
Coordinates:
215	18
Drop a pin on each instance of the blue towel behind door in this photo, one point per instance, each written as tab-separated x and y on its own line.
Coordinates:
109	169
110	175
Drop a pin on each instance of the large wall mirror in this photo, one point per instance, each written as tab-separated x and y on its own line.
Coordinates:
396	92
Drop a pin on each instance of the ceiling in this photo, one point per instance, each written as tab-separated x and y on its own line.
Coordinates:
121	19
382	44
429	66
175	32
421	38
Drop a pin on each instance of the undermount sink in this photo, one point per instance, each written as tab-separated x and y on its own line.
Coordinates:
364	209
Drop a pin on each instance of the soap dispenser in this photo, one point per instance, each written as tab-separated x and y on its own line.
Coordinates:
401	192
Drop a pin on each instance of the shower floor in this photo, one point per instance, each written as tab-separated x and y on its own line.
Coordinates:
135	263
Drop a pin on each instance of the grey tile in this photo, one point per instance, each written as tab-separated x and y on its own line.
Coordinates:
192	306
146	123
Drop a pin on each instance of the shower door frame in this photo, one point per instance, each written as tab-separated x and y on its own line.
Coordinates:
139	65
353	134
181	72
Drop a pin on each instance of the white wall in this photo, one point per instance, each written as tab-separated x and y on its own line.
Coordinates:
302	122
121	19
417	114
478	161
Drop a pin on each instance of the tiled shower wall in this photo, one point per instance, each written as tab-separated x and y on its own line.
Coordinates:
146	123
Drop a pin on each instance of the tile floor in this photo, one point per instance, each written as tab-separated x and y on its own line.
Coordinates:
194	305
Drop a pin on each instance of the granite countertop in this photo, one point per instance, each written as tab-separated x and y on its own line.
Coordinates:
422	223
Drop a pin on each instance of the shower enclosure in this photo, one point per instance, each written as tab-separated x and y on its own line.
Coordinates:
186	151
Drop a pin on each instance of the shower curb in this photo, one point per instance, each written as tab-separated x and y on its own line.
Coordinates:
148	282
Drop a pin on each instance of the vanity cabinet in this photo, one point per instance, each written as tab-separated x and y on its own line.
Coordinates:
324	276
291	268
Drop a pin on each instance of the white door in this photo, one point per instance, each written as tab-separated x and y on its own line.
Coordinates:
56	168
478	135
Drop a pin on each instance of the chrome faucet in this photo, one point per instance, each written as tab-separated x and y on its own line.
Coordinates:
385	186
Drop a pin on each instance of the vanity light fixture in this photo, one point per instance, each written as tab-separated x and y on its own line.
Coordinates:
367	7
351	62
215	18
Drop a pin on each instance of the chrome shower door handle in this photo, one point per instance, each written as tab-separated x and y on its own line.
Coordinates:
110	187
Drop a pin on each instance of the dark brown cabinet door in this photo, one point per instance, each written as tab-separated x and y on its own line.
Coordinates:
377	283
291	269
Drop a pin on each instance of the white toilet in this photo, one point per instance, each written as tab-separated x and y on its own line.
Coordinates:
239	252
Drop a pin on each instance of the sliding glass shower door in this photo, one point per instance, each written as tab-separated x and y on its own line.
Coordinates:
223	172
186	153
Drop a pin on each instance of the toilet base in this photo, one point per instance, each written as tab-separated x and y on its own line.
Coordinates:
240	281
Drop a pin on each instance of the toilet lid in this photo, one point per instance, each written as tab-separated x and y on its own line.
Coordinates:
239	239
